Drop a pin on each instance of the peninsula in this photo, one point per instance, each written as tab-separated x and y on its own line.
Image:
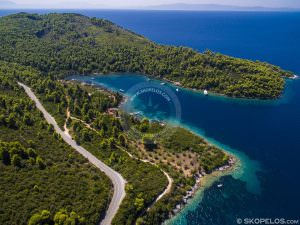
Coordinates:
62	44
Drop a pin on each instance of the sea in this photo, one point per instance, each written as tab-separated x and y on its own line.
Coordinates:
264	134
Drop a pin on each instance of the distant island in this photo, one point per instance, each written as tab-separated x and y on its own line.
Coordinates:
217	7
62	44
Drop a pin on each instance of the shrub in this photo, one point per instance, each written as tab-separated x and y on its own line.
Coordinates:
16	160
42	218
40	163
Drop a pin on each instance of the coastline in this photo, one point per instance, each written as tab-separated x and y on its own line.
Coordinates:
198	91
203	181
195	194
215	94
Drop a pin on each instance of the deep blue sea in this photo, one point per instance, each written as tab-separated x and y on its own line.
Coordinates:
264	134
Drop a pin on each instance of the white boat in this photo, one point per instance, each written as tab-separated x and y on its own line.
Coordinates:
121	90
162	83
205	92
177	89
220	185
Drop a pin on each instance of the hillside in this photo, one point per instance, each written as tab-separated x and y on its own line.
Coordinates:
39	172
183	156
56	181
63	44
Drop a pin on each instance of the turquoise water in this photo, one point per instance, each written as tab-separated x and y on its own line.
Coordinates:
260	132
128	84
264	134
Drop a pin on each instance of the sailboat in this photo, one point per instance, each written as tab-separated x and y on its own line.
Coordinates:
205	92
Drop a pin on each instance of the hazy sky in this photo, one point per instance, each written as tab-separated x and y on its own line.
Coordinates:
141	3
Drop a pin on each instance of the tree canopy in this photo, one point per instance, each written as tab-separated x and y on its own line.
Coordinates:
74	44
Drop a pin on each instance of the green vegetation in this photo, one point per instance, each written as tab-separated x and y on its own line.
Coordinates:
38	171
106	140
13	153
101	133
182	140
147	180
161	210
71	43
62	217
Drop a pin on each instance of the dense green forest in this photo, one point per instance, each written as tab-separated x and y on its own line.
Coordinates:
145	181
39	172
63	44
105	138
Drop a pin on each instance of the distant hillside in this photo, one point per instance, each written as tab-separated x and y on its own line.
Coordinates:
215	7
62	44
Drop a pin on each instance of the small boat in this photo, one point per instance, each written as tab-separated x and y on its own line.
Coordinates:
220	185
148	79
205	92
93	78
162	83
177	89
121	90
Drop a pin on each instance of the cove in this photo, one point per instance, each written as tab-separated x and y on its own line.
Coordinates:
264	135
266	132
205	109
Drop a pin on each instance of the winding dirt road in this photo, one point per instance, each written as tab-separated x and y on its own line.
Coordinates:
117	180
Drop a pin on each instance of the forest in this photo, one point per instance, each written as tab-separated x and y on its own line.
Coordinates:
40	174
102	134
63	44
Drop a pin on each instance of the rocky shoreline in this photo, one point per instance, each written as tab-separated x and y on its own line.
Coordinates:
200	182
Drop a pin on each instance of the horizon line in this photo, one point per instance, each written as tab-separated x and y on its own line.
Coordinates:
247	9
